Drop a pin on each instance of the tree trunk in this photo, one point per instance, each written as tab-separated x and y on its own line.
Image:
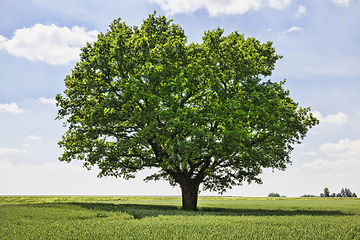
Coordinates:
189	196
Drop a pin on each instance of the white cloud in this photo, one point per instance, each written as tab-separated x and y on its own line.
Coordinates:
339	118
51	44
278	4
5	163
215	7
34	137
2	40
47	100
301	11
323	167
342	2
345	148
317	164
6	151
11	108
293	29
308	153
59	178
328	65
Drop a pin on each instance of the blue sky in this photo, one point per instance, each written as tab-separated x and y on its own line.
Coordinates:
40	41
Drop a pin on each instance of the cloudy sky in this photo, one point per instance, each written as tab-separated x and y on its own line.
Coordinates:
40	41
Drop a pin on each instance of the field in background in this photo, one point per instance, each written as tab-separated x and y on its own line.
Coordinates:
26	217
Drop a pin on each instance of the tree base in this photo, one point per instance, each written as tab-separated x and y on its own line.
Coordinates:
189	198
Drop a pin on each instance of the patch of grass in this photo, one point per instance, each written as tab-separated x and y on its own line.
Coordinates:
162	218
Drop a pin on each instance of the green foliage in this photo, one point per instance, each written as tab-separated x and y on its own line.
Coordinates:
343	193
161	218
307	195
273	195
326	192
141	97
346	193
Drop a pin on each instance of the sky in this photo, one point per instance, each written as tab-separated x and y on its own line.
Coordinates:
40	42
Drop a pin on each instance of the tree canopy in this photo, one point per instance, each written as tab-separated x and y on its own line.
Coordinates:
273	194
200	113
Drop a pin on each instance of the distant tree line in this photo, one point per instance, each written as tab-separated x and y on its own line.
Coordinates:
344	192
275	195
307	195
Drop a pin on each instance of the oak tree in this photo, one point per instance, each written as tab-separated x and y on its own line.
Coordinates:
201	113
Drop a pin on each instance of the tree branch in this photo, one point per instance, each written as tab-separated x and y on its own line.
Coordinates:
113	89
160	123
200	176
185	99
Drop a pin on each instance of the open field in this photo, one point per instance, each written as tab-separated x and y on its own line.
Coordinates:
25	217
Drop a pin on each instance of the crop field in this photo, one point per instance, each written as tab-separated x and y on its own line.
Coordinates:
25	217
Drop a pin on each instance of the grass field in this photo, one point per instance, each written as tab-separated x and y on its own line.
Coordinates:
25	217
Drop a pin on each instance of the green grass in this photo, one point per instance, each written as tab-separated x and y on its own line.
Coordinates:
25	217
